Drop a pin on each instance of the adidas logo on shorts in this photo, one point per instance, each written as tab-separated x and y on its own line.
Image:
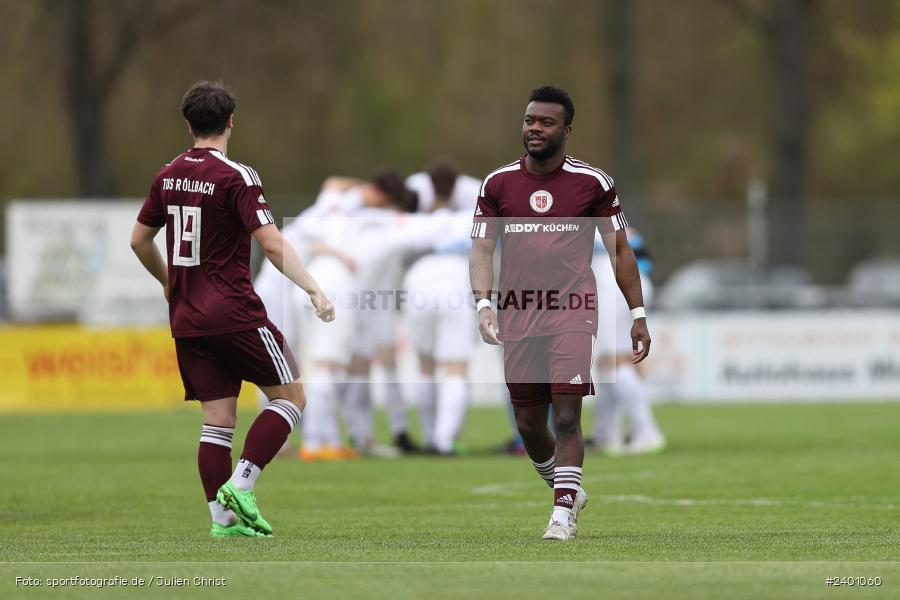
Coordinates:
576	380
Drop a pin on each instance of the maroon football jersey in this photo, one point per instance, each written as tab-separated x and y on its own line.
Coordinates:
546	224
210	205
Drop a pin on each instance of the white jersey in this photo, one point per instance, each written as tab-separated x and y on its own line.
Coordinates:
463	197
440	316
614	330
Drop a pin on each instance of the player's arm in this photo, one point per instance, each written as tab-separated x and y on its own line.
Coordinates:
341	184
283	256
628	279
320	248
481	276
149	255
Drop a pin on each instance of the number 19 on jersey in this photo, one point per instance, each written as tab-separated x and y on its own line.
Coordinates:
186	228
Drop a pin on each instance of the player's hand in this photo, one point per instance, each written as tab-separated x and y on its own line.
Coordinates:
488	327
323	306
640	340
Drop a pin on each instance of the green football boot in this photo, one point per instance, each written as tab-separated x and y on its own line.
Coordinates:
236	529
243	504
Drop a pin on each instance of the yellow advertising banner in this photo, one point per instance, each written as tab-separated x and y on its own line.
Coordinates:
67	367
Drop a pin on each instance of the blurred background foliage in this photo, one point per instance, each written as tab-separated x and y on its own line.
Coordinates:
682	102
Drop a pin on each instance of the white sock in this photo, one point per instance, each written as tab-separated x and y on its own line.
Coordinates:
452	401
568	478
220	514
427	404
358	411
394	406
320	426
546	470
329	425
245	474
635	399
607	415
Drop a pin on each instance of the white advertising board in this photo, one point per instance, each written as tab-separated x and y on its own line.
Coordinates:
71	260
826	355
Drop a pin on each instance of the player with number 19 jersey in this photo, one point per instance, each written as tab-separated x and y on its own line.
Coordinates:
211	204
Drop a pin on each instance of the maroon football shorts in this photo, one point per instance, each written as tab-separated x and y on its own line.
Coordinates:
538	367
214	366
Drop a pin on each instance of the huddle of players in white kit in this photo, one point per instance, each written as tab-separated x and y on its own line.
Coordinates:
379	264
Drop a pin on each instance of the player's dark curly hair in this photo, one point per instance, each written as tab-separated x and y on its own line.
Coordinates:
443	178
390	181
557	95
207	106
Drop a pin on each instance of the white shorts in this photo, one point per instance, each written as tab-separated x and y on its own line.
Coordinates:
614	328
441	321
374	329
327	341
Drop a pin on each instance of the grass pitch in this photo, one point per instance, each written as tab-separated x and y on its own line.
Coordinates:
762	501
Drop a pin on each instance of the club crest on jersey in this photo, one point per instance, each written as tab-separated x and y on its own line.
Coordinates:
541	201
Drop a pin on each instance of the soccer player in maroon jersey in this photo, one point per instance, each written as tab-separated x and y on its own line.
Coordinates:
544	208
210	206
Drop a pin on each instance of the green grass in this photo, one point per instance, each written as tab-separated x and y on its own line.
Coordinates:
746	502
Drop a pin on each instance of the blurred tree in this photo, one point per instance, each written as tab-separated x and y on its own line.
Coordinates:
788	28
90	76
620	33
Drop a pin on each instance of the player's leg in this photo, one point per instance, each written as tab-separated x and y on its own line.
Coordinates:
608	410
322	439
327	350
514	445
613	339
394	406
262	357
452	403
531	422
632	391
272	288
570	362
456	324
358	403
267	434
214	454
206	378
427	397
644	435
419	318
527	379
214	464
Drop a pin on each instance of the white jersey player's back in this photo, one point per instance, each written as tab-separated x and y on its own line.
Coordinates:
463	198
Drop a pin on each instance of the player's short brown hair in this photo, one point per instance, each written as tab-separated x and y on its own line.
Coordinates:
207	106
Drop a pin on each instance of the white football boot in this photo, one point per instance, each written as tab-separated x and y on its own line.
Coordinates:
566	531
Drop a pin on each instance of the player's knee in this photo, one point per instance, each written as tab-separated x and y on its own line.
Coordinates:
566	423
220	416
296	396
292	392
528	426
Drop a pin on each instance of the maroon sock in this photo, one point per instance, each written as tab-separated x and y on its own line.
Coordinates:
269	431
214	458
566	481
564	497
